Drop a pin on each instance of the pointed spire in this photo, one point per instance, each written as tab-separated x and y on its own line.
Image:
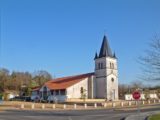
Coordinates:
105	48
96	56
114	55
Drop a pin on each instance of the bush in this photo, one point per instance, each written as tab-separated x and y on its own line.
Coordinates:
1	95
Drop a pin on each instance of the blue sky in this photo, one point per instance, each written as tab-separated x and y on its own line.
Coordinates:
62	36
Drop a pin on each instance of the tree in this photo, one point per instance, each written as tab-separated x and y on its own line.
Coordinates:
83	93
40	77
136	85
150	62
20	81
129	89
123	89
4	75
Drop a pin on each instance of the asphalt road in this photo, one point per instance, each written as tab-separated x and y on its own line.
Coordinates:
105	114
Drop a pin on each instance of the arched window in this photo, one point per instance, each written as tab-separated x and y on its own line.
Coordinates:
112	79
101	65
112	66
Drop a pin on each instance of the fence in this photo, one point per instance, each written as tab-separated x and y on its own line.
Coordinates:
87	105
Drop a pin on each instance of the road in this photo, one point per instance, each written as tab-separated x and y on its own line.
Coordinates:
105	114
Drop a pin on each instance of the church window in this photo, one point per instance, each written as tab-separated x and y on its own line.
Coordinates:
112	79
112	66
101	65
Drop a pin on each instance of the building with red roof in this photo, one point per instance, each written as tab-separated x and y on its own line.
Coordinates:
102	83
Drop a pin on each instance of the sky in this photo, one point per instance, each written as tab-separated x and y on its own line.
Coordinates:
62	36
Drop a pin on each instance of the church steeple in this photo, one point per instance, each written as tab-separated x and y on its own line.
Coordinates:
105	50
106	72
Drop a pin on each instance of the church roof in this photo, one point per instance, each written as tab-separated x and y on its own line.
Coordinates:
105	50
65	82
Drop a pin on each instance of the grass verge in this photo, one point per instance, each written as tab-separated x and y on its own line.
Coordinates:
155	117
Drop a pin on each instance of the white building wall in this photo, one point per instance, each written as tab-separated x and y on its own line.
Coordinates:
112	73
105	88
153	96
74	91
100	80
112	87
142	97
94	87
91	87
130	97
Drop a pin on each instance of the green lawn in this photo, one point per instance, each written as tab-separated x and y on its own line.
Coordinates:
155	117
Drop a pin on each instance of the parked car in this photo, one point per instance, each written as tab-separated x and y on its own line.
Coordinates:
27	98
20	98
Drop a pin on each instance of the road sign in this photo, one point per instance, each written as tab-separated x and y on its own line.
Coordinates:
136	95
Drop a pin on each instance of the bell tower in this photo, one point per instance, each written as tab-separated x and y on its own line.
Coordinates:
106	73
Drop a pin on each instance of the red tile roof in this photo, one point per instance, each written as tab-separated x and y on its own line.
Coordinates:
65	82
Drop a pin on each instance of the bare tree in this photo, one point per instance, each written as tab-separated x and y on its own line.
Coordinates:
136	85
22	82
129	88
150	62
40	77
4	76
123	89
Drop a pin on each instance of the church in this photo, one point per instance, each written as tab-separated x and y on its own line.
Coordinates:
100	84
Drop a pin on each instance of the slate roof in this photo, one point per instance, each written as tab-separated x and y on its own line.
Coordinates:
105	50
